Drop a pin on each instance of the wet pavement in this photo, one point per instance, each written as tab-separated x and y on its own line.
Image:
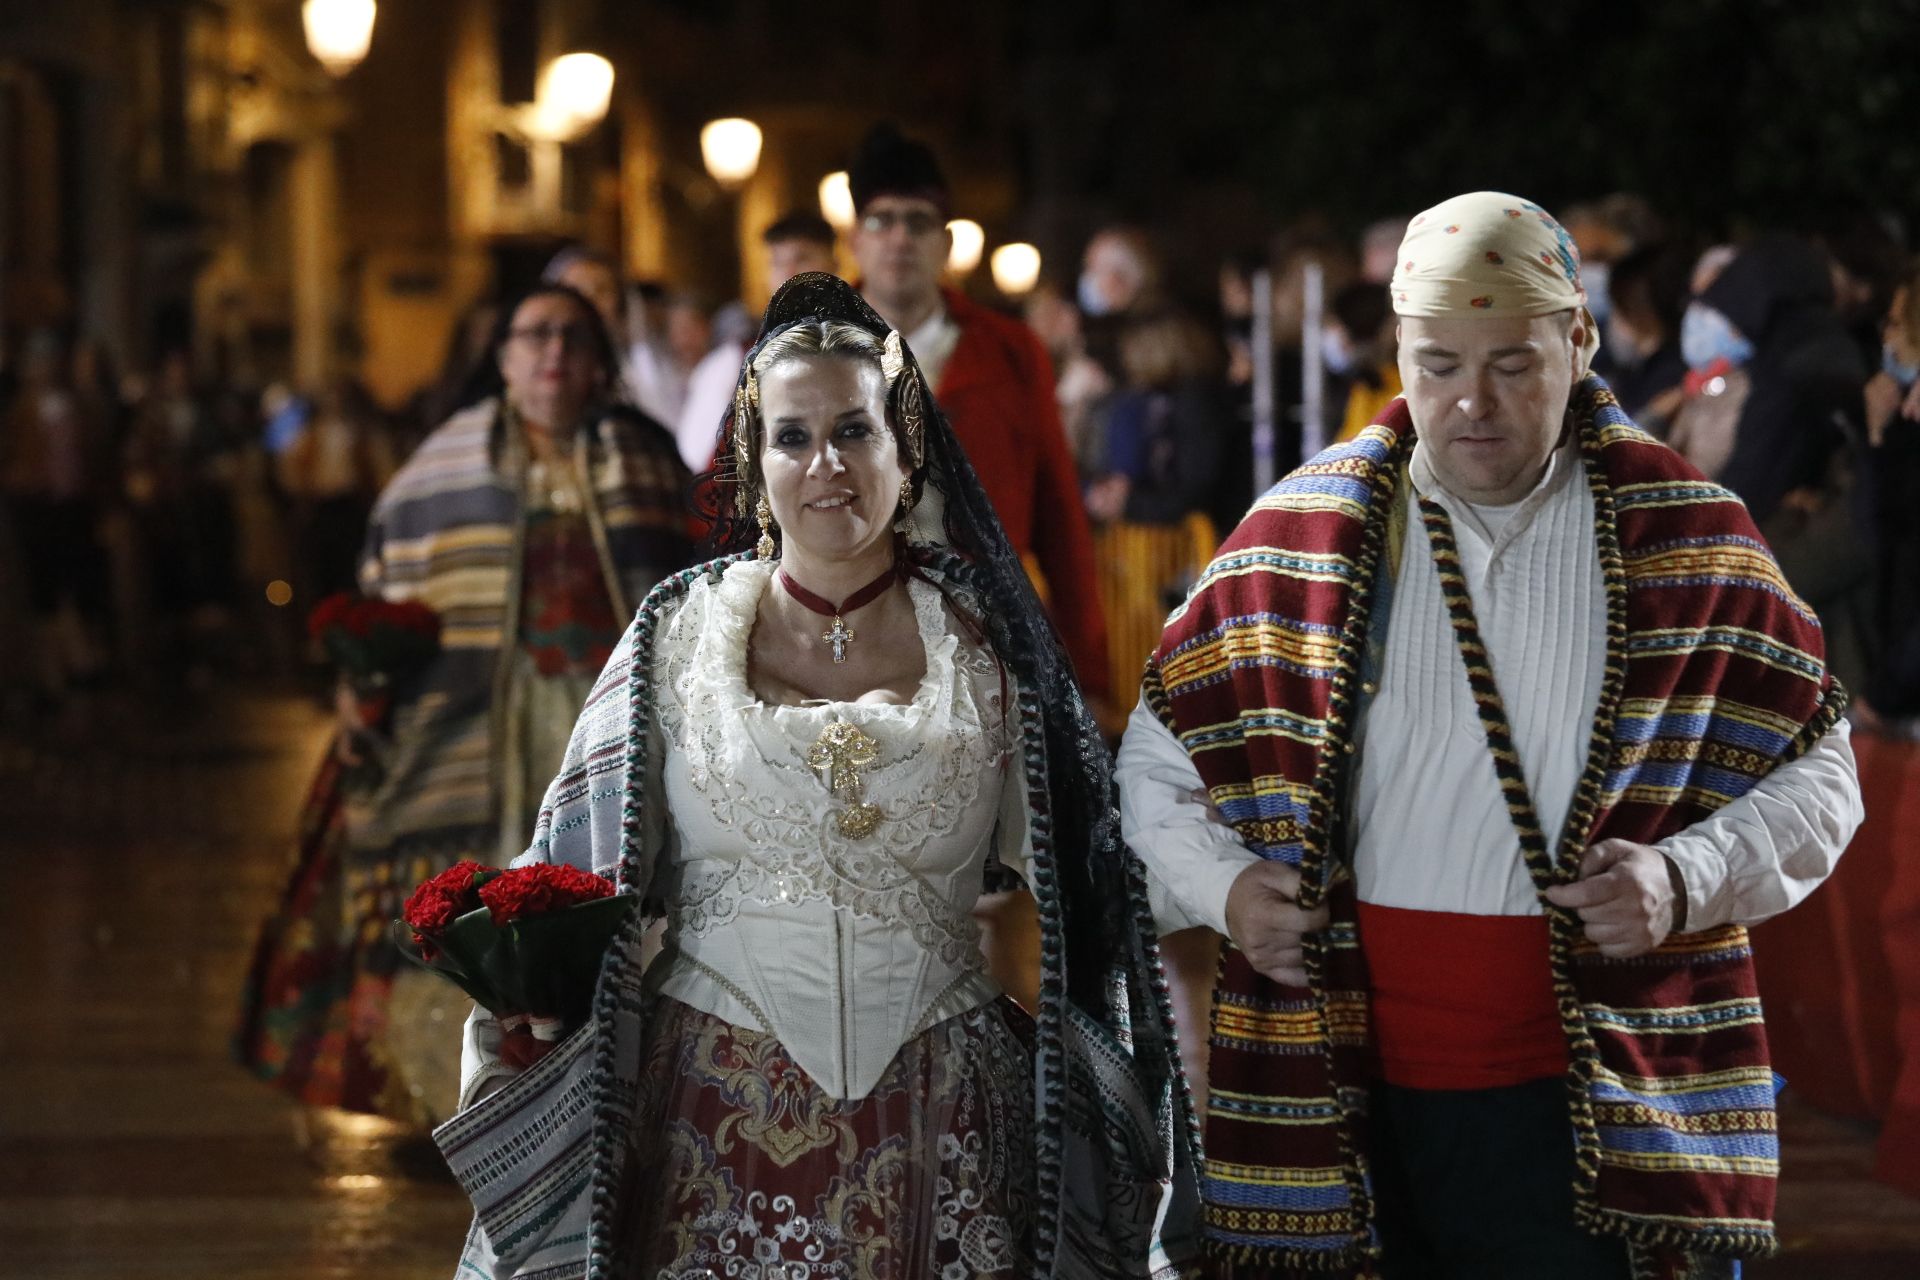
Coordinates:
139	859
138	864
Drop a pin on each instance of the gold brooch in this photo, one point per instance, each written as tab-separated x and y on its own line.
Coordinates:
843	751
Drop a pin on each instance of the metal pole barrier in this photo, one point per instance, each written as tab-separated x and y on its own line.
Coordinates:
1313	367
1262	342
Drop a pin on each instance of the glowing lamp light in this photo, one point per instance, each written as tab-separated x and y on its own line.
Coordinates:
1016	268
574	93
731	149
968	243
836	200
338	32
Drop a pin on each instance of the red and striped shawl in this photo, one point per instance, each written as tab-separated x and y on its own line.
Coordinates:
1714	676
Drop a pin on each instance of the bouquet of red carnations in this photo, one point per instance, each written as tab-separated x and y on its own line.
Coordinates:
525	943
375	643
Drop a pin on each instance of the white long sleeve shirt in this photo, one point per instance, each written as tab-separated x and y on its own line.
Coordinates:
710	389
1430	827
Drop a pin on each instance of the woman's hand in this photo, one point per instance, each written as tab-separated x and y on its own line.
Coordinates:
520	1048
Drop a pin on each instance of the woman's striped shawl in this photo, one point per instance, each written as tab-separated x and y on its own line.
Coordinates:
446	532
1714	676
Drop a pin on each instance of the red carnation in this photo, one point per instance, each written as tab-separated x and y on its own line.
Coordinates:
411	615
440	901
524	941
375	642
537	890
328	613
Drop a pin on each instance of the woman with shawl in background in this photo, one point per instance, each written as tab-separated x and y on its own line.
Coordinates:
530	522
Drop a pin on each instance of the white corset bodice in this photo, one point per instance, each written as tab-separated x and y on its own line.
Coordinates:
843	947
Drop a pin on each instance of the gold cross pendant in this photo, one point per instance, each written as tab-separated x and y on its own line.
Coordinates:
843	751
840	637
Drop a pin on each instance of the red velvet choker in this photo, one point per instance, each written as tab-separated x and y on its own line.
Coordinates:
841	635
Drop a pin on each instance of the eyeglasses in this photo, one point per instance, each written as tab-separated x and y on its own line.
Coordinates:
917	223
573	337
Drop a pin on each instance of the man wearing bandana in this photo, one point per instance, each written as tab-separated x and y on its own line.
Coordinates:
1481	740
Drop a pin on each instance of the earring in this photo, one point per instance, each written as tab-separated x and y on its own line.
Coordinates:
902	524
764	514
913	421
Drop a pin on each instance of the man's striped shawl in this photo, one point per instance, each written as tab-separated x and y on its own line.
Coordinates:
1714	676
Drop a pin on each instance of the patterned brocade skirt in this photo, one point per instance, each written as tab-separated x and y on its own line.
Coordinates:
746	1169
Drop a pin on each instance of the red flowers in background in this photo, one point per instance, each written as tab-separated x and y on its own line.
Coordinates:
374	641
363	618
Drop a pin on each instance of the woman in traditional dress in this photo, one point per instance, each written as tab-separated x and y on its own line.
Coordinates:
810	759
532	522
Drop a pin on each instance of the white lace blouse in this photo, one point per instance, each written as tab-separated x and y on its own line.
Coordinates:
785	913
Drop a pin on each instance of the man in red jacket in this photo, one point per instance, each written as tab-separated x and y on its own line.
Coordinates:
993	381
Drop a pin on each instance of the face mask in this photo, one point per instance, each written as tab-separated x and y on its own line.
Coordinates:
1899	370
1336	353
1706	336
1596	277
1091	301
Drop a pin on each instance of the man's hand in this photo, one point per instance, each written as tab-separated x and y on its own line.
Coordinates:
1625	896
1266	922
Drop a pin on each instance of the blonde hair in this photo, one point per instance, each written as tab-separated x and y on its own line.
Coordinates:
822	338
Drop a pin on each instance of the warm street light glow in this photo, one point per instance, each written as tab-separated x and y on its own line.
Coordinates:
968	242
731	148
338	32
836	200
574	93
1016	268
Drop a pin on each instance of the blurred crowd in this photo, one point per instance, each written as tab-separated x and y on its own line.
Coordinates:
1786	366
160	527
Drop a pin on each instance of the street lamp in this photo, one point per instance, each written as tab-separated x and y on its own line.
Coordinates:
968	241
338	32
731	149
1016	268
574	93
836	200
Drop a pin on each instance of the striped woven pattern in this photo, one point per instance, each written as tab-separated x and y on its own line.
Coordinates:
1714	676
